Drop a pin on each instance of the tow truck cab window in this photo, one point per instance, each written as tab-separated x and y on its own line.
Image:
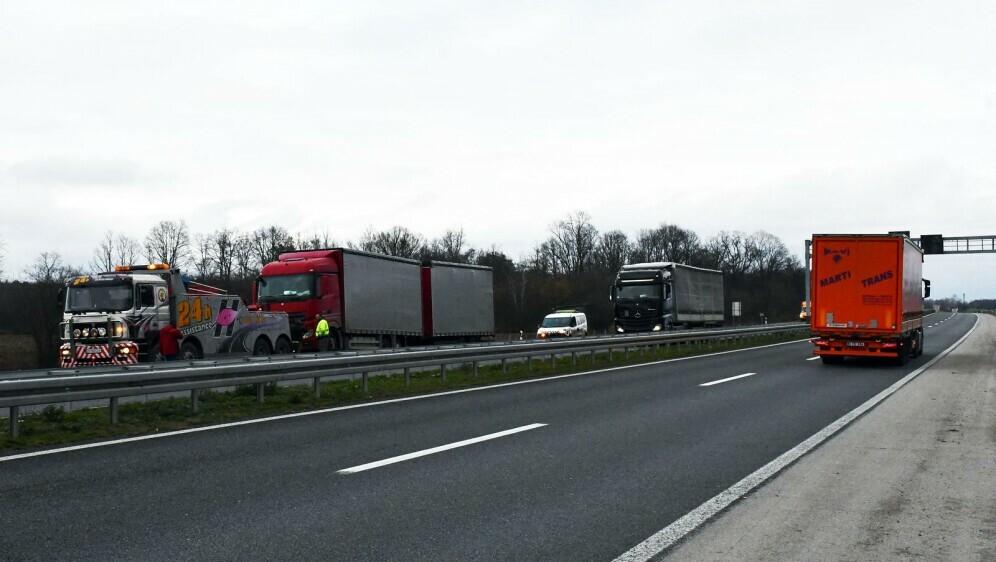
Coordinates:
146	296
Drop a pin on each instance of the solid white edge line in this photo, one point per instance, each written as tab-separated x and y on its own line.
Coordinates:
728	379
668	536
441	448
374	404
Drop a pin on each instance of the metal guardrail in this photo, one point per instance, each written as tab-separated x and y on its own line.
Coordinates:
199	375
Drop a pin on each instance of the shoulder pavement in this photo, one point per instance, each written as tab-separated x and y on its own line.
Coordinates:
915	478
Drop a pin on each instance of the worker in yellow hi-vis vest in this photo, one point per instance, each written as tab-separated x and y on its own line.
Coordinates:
322	333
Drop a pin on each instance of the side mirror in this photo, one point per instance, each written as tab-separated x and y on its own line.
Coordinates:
60	299
926	288
612	293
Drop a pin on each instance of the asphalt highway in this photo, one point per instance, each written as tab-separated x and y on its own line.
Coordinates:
571	468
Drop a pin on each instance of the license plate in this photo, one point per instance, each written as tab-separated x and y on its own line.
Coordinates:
855	344
92	350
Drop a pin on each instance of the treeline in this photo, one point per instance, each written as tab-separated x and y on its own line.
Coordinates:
574	265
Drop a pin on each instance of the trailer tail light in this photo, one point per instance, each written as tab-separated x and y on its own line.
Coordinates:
821	343
890	345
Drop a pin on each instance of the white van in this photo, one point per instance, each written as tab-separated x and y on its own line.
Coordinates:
563	324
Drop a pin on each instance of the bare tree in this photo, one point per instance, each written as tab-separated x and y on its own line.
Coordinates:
398	241
545	260
127	250
269	242
731	252
47	274
451	247
612	252
168	242
223	253
49	268
112	251
768	254
316	241
203	259
667	242
103	255
573	243
3	256
244	257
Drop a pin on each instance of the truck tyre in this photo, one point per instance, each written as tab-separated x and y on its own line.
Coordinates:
283	346
155	355
189	351
904	352
919	345
261	347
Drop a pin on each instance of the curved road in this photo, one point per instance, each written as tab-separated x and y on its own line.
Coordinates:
578	467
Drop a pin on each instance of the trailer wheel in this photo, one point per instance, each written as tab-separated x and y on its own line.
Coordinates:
189	351
334	344
155	355
904	353
261	347
831	359
283	346
919	345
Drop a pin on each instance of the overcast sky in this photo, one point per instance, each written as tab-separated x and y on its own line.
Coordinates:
499	118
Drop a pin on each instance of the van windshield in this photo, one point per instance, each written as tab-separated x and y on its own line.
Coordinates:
556	322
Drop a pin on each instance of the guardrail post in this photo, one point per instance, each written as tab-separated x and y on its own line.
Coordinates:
475	369
574	358
442	372
195	403
259	392
15	415
114	410
529	364
366	381
504	366
553	361
408	377
317	384
592	352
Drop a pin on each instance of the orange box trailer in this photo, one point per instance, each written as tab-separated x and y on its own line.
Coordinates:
867	296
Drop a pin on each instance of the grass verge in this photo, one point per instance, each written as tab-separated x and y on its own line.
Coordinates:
55	426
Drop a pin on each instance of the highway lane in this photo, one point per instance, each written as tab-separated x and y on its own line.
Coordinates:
621	454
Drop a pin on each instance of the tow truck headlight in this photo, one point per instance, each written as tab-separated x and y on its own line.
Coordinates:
619	329
101	331
76	333
118	329
86	332
124	350
64	352
657	327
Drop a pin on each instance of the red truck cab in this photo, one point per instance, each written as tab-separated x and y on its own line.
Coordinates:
303	284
